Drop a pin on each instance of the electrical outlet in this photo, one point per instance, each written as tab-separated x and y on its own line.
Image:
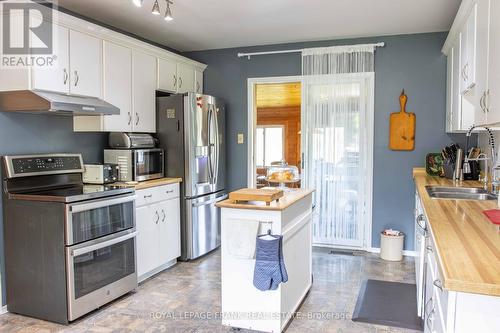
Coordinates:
241	138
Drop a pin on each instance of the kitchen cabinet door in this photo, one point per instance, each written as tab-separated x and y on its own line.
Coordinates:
492	99
478	71
198	82
118	86
468	52
185	79
144	92
147	239
167	75
85	53
55	78
169	230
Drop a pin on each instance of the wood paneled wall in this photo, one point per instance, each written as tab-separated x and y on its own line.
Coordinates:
289	117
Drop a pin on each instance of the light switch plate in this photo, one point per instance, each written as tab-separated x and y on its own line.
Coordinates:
241	138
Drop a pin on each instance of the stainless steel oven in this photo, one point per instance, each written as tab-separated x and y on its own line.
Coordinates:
101	252
137	164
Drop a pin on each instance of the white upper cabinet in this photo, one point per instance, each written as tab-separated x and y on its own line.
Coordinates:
198	82
86	64
468	51
167	75
491	99
144	92
185	78
118	86
476	35
55	78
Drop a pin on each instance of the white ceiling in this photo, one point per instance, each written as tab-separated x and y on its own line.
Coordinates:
212	24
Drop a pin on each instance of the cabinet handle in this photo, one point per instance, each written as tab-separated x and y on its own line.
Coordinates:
157	217
466	71
198	87
169	191
137	119
487	100
65	76
77	78
421	218
481	102
148	196
175	81
164	215
438	284
430	318
429	248
180	82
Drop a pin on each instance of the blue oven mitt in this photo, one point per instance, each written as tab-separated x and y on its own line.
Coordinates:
270	268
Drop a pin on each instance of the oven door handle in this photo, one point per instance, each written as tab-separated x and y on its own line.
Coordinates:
101	203
100	245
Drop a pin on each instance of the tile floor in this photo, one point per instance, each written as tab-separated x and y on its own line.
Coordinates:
183	298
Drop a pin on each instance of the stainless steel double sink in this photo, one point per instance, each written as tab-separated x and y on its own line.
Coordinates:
459	193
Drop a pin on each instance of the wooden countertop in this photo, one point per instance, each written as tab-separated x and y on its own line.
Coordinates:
151	183
290	197
467	243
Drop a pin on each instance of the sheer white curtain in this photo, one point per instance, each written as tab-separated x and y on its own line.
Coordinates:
337	115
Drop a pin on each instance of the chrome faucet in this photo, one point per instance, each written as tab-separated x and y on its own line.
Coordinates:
495	182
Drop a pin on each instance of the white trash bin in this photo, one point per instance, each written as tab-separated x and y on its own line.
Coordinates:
391	245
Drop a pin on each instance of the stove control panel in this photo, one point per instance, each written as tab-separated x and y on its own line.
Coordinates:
22	166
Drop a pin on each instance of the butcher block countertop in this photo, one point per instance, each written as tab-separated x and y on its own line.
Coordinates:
290	197
151	183
467	243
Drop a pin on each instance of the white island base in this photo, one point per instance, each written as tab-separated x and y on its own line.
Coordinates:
243	305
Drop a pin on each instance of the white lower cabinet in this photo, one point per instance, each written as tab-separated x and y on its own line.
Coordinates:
158	227
448	311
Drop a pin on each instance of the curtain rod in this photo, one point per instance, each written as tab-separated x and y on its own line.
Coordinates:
241	55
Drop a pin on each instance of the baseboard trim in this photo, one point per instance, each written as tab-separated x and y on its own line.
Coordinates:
405	252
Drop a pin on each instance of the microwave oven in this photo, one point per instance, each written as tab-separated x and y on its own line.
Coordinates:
137	164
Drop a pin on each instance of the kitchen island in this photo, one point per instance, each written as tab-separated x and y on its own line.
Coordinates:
243	305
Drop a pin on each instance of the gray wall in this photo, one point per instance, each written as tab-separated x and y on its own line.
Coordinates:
412	62
34	134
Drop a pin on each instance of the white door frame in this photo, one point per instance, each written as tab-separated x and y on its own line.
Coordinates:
252	119
370	123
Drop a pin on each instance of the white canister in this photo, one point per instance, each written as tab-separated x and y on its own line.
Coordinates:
391	246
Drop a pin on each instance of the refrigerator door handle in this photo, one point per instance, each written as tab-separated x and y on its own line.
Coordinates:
217	145
209	202
209	134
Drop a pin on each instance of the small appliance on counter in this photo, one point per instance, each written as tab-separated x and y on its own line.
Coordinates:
101	173
136	156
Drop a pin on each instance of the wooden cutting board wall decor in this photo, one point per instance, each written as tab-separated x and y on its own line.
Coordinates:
402	127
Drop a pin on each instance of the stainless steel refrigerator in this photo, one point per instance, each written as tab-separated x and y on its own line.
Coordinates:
190	128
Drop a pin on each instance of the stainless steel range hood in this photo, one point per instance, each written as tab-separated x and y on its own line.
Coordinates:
36	101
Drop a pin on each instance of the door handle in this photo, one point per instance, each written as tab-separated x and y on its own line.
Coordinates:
90	248
77	78
65	76
203	203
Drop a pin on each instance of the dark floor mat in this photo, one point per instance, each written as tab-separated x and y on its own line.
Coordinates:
388	303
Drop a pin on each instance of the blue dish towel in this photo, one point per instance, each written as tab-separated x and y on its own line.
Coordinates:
270	268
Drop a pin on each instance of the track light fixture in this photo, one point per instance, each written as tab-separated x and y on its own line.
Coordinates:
156	8
168	12
138	3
